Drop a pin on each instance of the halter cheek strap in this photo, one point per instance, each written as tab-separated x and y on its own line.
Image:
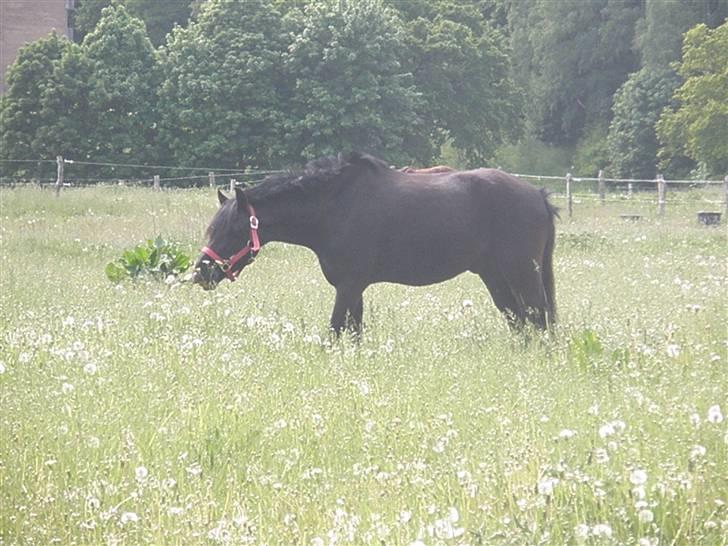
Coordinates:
251	249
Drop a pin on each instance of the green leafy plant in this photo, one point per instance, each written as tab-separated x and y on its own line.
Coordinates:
155	258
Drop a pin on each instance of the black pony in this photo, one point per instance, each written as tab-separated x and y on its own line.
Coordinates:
369	223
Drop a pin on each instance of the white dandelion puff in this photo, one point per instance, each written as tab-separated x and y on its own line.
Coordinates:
646	516
715	416
638	477
602	530
567	433
129	517
141	473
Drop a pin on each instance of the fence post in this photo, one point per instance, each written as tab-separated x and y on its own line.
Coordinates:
725	187
661	187
569	199
602	190
156	182
211	178
59	177
233	182
629	189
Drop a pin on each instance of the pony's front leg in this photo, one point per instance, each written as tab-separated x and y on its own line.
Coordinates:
348	304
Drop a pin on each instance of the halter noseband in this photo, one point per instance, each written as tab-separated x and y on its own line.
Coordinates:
251	248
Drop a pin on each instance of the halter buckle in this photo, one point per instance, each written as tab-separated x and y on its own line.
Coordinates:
253	222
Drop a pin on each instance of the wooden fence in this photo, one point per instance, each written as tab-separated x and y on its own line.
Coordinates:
661	185
570	182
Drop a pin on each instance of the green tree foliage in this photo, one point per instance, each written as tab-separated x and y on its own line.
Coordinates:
698	127
68	120
632	140
462	70
125	77
349	88
572	57
220	101
160	16
21	105
660	32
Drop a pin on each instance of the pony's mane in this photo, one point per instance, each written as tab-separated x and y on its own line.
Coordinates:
318	174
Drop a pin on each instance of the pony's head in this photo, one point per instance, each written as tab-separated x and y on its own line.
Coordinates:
232	241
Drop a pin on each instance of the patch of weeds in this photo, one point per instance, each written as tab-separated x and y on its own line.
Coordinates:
154	258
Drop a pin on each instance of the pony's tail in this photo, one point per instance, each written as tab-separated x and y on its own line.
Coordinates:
547	271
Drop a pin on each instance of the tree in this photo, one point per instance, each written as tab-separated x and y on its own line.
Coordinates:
159	16
698	126
20	106
125	77
349	88
462	71
659	34
220	101
572	57
632	141
67	120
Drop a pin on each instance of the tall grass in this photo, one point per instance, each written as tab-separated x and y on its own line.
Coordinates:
147	413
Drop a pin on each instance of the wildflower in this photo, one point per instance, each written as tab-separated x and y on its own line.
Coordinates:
129	517
546	486
194	469
601	456
2	367
638	477
582	532
602	530
141	473
646	516
697	452
175	511
567	433
404	516
67	388
639	492
673	350
90	368
606	430
715	416
92	504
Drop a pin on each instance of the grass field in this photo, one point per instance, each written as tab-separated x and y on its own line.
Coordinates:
151	413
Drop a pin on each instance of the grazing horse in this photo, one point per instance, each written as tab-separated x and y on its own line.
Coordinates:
369	223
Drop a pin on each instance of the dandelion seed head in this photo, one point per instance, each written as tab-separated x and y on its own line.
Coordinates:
645	516
602	530
128	517
715	415
638	477
566	434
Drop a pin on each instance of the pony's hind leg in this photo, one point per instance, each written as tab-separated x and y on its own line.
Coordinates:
526	284
503	298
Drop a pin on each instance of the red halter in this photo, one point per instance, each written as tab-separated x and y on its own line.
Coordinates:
251	248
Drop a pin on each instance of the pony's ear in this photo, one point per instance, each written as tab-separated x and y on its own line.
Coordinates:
221	197
241	197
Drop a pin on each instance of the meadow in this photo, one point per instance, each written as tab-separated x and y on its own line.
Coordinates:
156	413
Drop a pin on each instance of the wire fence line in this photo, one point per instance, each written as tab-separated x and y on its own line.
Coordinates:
213	175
